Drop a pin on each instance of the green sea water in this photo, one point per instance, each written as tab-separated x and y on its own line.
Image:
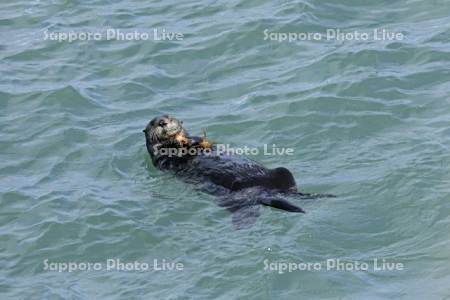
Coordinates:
368	120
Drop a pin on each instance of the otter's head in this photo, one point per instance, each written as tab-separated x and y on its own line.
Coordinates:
163	129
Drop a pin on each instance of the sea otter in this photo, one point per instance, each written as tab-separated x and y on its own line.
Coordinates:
239	183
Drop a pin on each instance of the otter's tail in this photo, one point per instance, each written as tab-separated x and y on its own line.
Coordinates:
281	204
313	195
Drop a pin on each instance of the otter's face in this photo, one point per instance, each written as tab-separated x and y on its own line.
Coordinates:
163	129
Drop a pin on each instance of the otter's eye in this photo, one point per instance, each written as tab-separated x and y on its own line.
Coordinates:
162	123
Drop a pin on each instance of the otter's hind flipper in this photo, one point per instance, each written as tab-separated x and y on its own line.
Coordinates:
281	204
245	217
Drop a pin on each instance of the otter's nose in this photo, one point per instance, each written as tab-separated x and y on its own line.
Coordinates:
162	123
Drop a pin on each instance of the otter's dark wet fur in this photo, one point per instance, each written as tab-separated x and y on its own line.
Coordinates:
240	184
